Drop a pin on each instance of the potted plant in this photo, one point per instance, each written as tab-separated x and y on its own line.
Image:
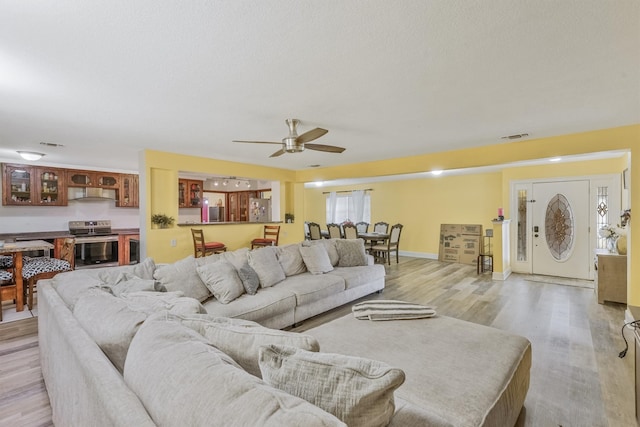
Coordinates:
288	218
162	220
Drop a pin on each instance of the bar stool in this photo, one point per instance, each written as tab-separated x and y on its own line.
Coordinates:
485	256
202	248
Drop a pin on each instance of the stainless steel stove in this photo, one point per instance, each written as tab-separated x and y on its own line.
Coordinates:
96	245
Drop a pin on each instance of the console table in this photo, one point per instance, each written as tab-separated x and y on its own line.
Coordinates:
611	277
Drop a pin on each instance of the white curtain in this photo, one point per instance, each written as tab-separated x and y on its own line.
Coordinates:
333	204
358	205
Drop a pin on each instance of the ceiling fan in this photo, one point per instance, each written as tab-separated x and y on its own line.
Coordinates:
295	143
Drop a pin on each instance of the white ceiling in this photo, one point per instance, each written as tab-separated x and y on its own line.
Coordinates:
107	79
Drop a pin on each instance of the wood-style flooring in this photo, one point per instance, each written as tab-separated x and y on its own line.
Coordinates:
577	378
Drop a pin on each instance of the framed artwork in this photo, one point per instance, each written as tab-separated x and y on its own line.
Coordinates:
626	179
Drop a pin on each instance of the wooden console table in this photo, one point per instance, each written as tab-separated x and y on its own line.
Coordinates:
611	277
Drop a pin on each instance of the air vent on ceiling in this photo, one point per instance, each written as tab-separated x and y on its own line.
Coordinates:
51	144
515	136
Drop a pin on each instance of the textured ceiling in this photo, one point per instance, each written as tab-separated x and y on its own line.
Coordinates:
387	79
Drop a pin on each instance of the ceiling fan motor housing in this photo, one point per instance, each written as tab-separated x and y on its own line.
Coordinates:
291	146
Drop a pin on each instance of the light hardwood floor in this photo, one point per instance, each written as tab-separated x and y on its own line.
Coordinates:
577	378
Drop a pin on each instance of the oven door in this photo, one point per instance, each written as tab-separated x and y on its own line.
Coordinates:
96	251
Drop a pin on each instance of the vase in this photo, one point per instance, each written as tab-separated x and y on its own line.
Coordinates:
621	245
611	245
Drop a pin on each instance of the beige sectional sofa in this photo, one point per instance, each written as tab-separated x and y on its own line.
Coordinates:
122	346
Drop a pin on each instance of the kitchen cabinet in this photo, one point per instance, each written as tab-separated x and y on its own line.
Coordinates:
238	203
79	178
190	193
25	185
128	191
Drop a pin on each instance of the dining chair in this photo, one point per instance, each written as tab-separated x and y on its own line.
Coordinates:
381	227
382	251
314	231
350	231
7	284
201	248
362	226
271	236
334	231
37	268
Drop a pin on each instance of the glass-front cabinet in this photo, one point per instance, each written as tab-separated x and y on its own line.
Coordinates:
18	185
49	186
128	192
190	193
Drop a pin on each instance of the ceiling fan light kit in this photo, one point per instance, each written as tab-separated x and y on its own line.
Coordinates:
295	143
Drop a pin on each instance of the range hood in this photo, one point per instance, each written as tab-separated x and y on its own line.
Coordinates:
91	194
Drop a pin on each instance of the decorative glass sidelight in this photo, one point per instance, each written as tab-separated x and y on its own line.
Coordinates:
522	226
559	227
602	215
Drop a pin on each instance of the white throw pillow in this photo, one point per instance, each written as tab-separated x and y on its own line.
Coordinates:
290	259
182	276
316	259
358	391
222	280
265	263
329	245
351	252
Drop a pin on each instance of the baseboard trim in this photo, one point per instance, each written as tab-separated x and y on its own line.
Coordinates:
418	254
501	275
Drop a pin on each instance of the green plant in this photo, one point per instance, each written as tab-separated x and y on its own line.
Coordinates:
288	217
162	220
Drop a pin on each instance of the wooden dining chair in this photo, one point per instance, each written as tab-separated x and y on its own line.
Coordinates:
314	231
201	248
271	236
383	251
7	284
362	226
334	231
350	231
37	268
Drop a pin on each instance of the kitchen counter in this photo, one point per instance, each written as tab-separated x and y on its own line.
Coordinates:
52	235
188	224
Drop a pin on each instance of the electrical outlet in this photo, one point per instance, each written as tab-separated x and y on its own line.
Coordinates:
174	242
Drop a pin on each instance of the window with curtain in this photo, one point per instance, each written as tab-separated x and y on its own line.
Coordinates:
346	209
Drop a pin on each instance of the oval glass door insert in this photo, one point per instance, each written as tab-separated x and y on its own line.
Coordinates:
559	227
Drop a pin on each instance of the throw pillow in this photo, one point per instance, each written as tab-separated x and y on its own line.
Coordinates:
249	278
266	265
127	282
72	285
329	245
110	323
316	259
356	390
182	380
182	276
242	339
151	302
238	257
290	259
222	280
144	270
351	252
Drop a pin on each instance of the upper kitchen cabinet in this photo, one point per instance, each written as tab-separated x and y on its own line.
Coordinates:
128	192
25	185
79	178
190	193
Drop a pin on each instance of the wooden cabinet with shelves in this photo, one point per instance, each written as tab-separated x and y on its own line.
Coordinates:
190	193
25	185
128	191
238	203
611	277
79	178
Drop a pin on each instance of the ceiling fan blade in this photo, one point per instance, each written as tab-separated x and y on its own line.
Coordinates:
259	142
280	152
327	148
311	135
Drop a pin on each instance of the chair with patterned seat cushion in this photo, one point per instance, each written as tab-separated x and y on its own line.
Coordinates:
38	268
7	287
202	248
383	251
271	236
6	261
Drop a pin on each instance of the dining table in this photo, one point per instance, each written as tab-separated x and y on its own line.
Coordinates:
16	249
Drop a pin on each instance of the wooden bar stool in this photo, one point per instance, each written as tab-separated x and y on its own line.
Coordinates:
202	248
271	236
485	257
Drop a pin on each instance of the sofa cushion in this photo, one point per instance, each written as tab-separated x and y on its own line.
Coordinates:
329	245
109	275
351	252
110	323
222	280
151	302
309	288
238	258
265	263
290	259
182	276
358	276
356	390
316	259
127	282
267	303
242	339
165	353
73	284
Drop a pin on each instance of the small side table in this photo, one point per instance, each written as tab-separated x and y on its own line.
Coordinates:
485	257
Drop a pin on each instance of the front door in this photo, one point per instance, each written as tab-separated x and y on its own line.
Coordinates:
561	241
